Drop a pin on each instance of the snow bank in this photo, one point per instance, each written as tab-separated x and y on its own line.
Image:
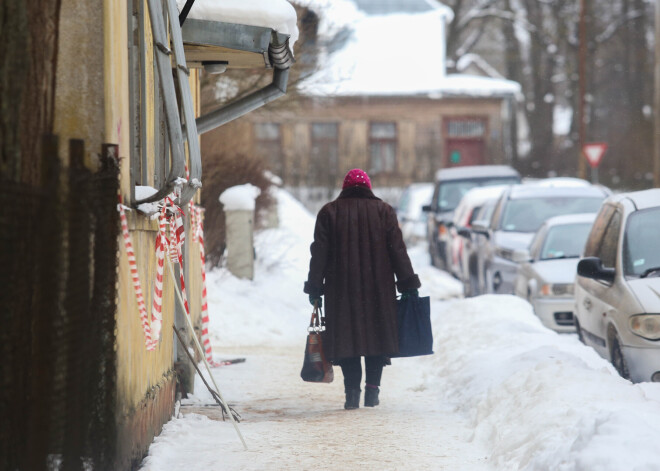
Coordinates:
540	399
275	14
239	197
272	308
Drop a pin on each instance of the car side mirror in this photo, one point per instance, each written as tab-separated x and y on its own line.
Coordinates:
464	232
479	228
426	208
592	267
521	256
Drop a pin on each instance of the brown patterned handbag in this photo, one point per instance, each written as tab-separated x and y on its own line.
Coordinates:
316	369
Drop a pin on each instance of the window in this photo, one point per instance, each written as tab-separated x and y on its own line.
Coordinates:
565	241
150	161
324	159
466	127
640	245
608	246
382	148
268	145
597	230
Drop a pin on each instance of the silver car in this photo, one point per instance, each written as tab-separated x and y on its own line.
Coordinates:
519	213
546	273
617	290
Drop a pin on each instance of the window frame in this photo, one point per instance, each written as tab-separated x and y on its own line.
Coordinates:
383	142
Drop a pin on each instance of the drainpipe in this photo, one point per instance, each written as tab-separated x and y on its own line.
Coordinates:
281	59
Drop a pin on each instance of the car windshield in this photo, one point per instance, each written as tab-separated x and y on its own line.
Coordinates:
450	193
527	215
641	248
565	241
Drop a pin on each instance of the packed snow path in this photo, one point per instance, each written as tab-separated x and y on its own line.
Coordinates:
501	392
292	425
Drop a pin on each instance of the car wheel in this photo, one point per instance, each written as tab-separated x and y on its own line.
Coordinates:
578	330
618	360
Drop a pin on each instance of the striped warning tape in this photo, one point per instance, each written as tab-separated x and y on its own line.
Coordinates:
137	286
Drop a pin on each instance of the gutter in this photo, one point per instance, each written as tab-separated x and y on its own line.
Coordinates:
281	59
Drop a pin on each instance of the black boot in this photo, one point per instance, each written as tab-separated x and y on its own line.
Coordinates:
371	397
352	399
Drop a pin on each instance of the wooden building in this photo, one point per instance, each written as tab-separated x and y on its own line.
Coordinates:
381	100
98	111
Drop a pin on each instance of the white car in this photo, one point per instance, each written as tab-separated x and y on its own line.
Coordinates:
409	211
461	240
617	290
546	272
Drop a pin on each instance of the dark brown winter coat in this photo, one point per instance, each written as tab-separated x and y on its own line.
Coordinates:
357	250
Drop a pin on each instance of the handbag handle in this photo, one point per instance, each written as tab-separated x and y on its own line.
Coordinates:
317	322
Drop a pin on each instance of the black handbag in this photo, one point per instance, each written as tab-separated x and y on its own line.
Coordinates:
414	326
316	369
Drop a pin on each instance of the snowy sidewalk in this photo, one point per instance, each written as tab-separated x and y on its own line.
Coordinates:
292	425
502	392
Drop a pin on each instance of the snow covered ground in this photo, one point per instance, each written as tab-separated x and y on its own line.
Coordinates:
501	391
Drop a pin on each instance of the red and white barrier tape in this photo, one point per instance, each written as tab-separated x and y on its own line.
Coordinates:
199	235
174	247
137	286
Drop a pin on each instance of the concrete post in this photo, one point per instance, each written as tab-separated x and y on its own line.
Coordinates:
239	205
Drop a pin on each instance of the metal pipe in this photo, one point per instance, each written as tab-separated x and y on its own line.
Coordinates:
248	103
582	58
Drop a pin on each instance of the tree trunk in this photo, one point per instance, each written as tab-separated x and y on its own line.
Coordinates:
28	46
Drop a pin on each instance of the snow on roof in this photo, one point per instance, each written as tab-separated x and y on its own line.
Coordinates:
278	15
398	55
385	55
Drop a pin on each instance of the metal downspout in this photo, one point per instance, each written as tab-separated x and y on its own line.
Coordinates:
281	59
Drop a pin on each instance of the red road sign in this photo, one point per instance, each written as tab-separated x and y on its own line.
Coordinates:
594	152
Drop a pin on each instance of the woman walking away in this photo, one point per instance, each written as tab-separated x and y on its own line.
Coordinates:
357	251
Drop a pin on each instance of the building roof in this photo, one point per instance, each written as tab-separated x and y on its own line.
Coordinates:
398	54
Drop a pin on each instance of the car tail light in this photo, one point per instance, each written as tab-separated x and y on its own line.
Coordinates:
646	326
442	230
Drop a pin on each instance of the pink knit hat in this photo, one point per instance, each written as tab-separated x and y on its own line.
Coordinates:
356	177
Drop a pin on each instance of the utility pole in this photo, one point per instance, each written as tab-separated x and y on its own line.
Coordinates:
656	119
582	86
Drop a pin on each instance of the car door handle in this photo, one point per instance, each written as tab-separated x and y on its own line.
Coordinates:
587	303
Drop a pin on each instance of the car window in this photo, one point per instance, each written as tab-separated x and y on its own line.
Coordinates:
527	215
565	241
597	230
641	247
497	211
486	211
537	242
608	246
473	215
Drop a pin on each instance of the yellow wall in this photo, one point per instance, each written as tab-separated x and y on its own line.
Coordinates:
141	375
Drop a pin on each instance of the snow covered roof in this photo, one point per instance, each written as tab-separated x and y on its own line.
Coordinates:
401	54
278	15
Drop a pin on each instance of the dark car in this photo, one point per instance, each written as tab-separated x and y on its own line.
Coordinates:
450	186
519	213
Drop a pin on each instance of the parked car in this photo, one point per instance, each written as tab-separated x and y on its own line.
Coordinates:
519	213
450	186
617	290
546	274
409	211
462	241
